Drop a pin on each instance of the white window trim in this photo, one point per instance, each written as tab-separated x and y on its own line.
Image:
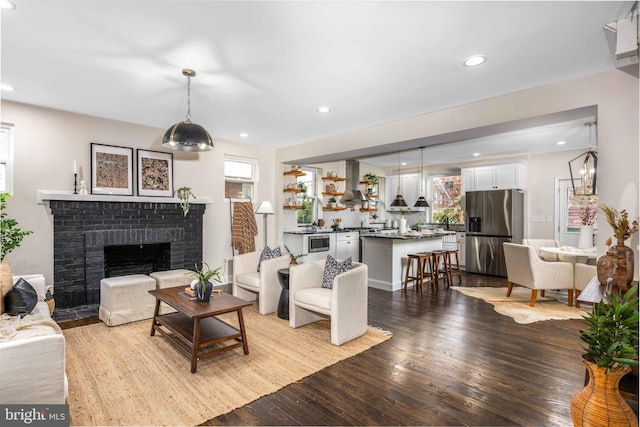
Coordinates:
253	179
6	157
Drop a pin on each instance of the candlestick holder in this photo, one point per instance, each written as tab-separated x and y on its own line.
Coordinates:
75	183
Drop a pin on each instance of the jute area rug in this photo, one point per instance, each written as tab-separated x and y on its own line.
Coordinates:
121	376
517	305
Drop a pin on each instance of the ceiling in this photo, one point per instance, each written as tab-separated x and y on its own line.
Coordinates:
264	67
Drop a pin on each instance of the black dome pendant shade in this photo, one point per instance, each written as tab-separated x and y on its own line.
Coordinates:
185	135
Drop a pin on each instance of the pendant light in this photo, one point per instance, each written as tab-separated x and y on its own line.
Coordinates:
585	168
398	201
187	136
421	202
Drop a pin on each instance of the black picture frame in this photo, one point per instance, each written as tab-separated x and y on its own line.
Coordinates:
111	170
155	173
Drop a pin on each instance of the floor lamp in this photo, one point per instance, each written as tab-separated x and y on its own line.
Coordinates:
265	209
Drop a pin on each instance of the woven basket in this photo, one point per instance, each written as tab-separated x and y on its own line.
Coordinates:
600	402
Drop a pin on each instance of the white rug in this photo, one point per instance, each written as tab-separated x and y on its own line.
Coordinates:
517	305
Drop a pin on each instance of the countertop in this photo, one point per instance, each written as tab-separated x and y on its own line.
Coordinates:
363	230
411	236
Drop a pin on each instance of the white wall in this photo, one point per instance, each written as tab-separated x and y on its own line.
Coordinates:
48	141
615	93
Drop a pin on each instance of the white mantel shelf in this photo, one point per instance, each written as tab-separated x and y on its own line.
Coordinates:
46	195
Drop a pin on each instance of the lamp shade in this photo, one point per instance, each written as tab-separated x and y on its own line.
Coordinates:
399	201
421	203
265	208
187	136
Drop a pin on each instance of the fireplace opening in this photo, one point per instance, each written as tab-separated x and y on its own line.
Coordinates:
125	260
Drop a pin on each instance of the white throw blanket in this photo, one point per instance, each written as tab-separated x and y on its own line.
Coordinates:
32	325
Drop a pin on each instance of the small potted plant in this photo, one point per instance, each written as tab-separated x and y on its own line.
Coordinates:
611	351
184	193
203	285
371	177
332	202
292	256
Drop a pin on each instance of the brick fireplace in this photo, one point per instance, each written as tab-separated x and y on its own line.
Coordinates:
91	237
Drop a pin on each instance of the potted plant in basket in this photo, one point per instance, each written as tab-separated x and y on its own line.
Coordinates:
203	285
611	351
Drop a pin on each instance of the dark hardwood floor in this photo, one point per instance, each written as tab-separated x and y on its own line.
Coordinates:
452	361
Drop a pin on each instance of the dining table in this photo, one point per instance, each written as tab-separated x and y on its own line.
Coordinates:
572	254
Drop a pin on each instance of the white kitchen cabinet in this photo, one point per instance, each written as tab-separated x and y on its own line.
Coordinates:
467	183
348	245
494	177
409	188
461	240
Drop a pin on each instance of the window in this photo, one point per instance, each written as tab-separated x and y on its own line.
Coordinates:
6	158
308	198
445	201
240	175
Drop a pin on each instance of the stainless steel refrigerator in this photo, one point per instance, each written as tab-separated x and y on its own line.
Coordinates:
493	217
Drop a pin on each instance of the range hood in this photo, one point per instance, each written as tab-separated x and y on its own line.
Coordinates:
352	195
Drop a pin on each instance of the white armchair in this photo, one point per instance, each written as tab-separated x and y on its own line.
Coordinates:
250	284
345	304
525	268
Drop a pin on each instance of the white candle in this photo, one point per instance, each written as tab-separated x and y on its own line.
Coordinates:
75	168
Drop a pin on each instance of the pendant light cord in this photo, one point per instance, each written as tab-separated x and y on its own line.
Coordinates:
188	119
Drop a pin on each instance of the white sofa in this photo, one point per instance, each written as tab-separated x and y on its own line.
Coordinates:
32	354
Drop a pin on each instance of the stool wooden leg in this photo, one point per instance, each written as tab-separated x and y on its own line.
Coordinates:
406	276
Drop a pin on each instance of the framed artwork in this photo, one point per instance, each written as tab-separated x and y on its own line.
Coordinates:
155	173
111	170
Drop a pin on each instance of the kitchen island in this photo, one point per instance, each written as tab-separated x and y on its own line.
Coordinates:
386	255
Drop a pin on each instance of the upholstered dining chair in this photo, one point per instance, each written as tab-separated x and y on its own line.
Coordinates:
525	268
251	284
543	243
345	304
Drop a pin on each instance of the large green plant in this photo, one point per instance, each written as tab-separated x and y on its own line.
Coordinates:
612	337
10	234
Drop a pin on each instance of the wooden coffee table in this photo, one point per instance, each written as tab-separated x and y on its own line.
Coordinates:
195	329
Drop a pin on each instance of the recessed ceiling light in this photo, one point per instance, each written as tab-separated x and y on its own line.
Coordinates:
7	5
476	154
323	109
474	60
244	135
561	142
6	87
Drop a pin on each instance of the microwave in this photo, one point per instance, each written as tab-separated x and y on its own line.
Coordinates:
318	243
